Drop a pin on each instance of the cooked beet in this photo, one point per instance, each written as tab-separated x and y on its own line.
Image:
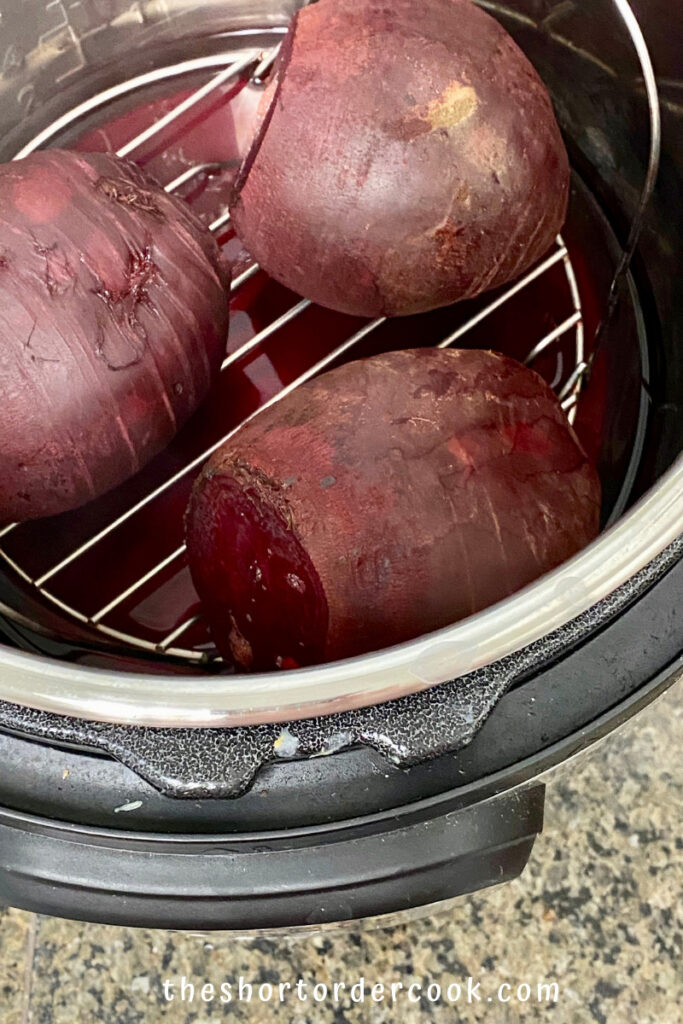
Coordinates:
113	324
408	157
383	500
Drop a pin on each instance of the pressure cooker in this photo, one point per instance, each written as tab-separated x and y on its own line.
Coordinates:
143	783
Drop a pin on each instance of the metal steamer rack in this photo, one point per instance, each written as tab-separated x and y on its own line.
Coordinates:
255	66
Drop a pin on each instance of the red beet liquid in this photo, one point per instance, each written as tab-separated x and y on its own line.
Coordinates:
218	132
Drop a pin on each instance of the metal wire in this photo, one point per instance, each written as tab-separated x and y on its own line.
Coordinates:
232	71
638	222
258	65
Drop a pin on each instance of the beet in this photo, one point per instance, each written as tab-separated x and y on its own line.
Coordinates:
383	500
113	324
408	157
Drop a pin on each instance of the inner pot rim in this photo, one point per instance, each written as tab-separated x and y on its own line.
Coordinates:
190	701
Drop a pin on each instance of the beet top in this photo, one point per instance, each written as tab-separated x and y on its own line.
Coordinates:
113	323
383	500
407	157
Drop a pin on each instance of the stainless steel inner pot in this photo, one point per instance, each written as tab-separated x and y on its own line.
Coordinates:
67	68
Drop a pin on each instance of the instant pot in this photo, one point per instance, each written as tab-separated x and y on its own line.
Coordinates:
141	782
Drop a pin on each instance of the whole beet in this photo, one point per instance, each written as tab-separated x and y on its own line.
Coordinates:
408	157
383	500
113	324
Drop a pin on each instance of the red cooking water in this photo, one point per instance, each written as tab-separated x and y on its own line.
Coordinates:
218	134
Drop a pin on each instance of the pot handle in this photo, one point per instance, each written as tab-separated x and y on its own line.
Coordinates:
418	859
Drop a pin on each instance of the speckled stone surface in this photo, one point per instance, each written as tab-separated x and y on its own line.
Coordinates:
17	934
598	910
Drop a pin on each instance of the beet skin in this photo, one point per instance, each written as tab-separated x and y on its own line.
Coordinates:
408	157
113	324
383	500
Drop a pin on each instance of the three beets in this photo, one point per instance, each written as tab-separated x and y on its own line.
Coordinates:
402	161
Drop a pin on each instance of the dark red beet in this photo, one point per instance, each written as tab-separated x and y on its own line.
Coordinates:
409	158
113	324
383	500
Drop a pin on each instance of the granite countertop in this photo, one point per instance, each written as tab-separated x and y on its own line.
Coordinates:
598	910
